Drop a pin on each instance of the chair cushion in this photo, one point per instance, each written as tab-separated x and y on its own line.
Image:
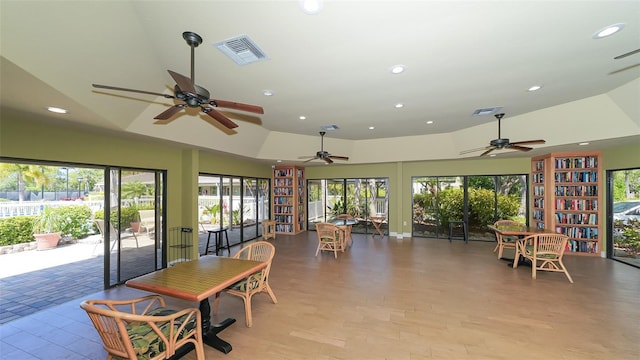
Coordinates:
242	284
540	256
146	342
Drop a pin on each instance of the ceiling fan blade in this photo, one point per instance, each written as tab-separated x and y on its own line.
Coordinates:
518	147
528	142
237	106
184	83
165	115
132	90
474	150
307	157
335	157
313	158
491	148
220	117
329	161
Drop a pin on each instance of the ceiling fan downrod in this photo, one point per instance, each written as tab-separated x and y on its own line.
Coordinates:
193	40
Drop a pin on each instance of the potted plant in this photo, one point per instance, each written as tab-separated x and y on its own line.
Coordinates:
46	229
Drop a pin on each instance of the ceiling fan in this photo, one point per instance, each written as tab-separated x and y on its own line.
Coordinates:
192	95
323	155
503	143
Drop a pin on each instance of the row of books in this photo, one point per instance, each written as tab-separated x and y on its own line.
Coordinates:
282	182
283	209
590	247
538	215
283	218
538	191
578	232
283	172
282	191
282	201
539	165
576	204
576	190
577	163
577	176
538	178
578	219
538	202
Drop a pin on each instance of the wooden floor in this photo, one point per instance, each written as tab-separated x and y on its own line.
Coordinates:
395	299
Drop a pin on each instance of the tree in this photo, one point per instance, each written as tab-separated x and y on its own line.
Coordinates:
33	175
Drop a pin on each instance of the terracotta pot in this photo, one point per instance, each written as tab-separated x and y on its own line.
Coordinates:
135	226
47	241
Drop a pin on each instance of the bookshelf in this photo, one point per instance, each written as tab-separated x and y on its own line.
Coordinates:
566	195
289	210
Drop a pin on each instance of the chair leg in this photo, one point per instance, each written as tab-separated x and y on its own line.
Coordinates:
318	249
500	250
271	294
565	271
247	311
534	266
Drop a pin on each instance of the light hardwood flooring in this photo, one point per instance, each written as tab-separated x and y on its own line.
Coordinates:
394	299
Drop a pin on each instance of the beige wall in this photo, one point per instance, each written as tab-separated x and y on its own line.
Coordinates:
39	140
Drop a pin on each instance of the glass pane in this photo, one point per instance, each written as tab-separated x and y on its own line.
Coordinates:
250	212
335	198
137	226
315	202
626	216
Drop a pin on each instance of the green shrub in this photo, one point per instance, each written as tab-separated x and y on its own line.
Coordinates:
75	220
16	230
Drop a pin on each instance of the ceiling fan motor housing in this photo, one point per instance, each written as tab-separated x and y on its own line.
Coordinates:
202	96
499	143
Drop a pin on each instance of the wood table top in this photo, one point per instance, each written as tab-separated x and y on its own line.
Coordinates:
196	280
515	230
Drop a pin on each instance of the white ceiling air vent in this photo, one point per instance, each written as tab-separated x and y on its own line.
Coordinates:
242	50
329	127
487	111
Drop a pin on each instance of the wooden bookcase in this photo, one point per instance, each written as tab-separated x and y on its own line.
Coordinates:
289	210
566	196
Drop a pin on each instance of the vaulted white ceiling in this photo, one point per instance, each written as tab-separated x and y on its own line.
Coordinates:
334	68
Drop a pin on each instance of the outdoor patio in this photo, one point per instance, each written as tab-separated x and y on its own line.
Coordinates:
31	281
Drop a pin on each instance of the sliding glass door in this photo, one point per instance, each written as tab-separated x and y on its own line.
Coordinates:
624	216
238	204
360	198
476	201
134	223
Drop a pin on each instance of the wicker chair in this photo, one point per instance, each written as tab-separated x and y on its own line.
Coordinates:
255	283
545	252
508	242
329	238
143	328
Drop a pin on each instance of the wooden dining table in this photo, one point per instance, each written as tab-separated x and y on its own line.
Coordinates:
519	231
344	225
197	280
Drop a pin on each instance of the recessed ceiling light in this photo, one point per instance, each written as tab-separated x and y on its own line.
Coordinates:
279	161
302	117
607	31
429	122
399	105
311	7
492	155
267	92
535	88
583	143
397	69
371	127
57	110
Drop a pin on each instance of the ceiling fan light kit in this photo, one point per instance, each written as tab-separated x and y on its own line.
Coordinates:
192	95
504	143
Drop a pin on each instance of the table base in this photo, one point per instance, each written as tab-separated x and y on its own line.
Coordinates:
211	337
